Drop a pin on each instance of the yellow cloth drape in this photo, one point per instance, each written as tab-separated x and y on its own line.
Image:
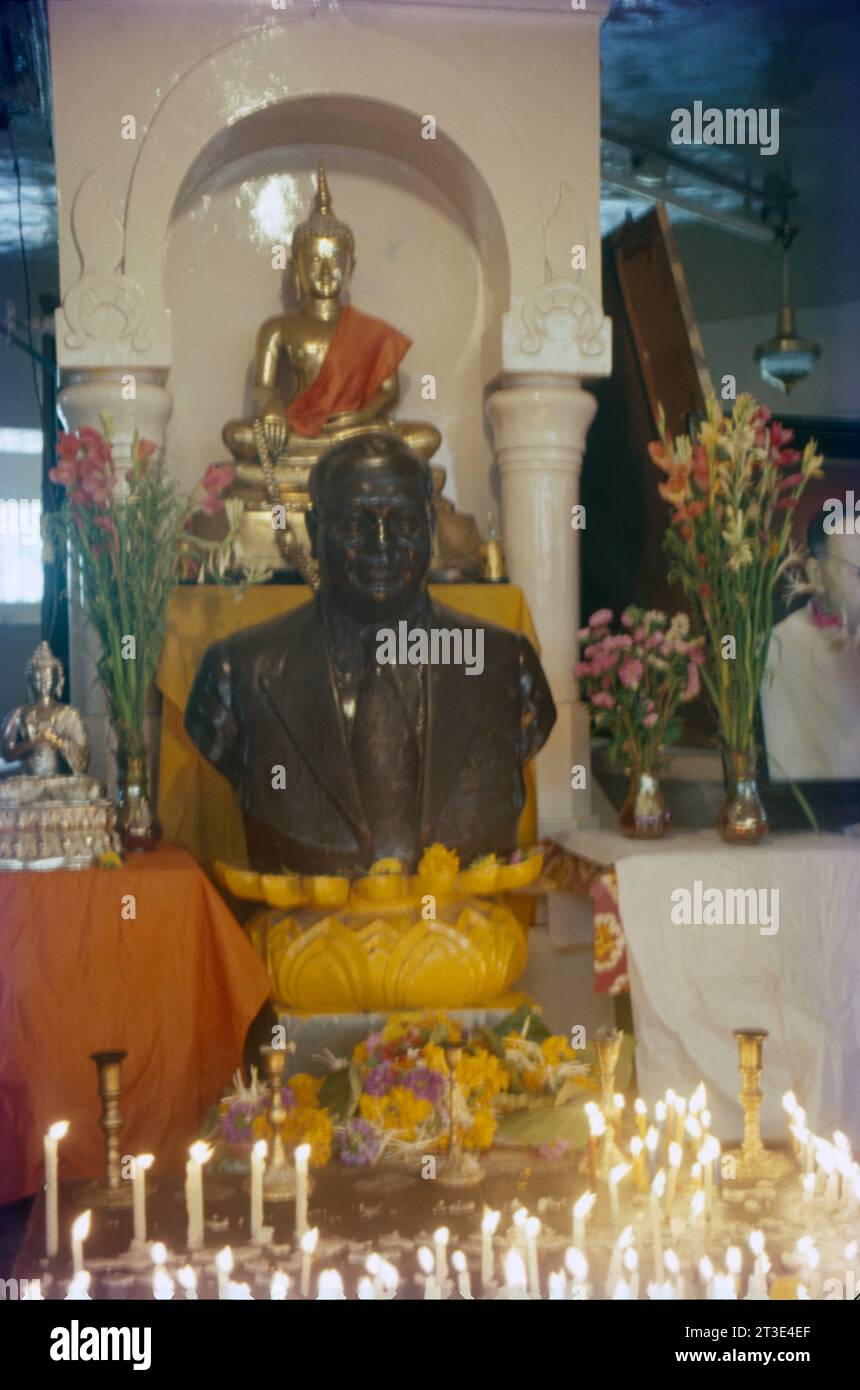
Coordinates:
197	808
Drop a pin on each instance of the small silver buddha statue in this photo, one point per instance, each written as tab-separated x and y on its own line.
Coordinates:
52	815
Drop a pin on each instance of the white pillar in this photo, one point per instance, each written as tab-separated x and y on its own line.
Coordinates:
85	395
540	424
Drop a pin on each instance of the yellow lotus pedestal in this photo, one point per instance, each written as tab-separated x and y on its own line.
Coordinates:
332	946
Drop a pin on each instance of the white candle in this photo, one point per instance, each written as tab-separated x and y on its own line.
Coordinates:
373	1265
80	1285
581	1211
80	1231
239	1291
163	1286
622	1290
515	1274
651	1140
464	1283
673	1269
532	1233
624	1240
577	1267
432	1289
709	1153
258	1169
488	1228
188	1280
330	1286
807	1183
366	1291
138	1191
198	1154
723	1286
658	1187
308	1245
279	1286
697	1099
302	1157
557	1285
389	1276
706	1275
615	1176
697	1221
757	1278
631	1264
56	1132
440	1246
224	1268
675	1155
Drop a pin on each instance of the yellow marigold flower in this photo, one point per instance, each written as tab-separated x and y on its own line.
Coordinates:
309	1125
557	1050
434	1056
387	866
436	859
534	1078
479	1135
305	1088
482	1074
360	1052
260	1127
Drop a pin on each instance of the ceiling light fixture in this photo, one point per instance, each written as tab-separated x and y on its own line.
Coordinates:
786	358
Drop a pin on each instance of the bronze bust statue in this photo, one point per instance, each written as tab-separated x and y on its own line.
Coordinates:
339	753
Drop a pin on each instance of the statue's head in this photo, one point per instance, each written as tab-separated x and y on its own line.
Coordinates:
45	673
322	253
834	568
371	525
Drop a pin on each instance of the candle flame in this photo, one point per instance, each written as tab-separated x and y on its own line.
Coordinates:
373	1263
458	1260
59	1130
162	1284
279	1286
597	1124
734	1259
789	1102
658	1186
440	1237
490	1221
224	1260
693	1128
330	1284
680	1106
660	1111
260	1150
617	1173
533	1227
626	1238
301	1156
756	1242
310	1240
187	1278
618	1100
622	1290
639	1106
158	1252
706	1270
425	1259
143	1162
583	1206
850	1251
515	1270
636	1145
390	1277
697	1205
521	1216
808	1181
81	1225
576	1264
631	1260
676	1153
200	1152
697	1099
651	1139
80	1283
672	1263
366	1291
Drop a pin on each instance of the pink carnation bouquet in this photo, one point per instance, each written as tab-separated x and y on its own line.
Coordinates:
635	678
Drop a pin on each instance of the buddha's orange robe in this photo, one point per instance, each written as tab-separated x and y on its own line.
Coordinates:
362	353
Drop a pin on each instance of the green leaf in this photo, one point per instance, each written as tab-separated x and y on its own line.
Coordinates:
335	1094
515	1022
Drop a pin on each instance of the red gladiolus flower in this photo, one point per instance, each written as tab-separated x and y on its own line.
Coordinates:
216	480
144	450
705	592
701	471
95	446
785	504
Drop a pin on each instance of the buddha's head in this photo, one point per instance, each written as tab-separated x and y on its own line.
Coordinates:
45	674
834	568
322	254
371	525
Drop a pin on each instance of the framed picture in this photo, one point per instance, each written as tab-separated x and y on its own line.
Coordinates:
809	706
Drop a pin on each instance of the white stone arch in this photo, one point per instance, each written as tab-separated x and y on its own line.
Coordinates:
308	80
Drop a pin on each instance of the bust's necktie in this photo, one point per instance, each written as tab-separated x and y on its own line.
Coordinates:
386	762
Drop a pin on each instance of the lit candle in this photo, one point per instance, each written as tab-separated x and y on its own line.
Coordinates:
373	1265
330	1287
532	1233
709	1154
673	1269
660	1115
581	1212
80	1285
366	1291
618	1103
198	1154
557	1285
622	1290
163	1286
807	1183
723	1287
80	1231
426	1261
675	1156
616	1174
640	1110
440	1247
138	1191
705	1122
640	1175
697	1221
694	1133
279	1286
624	1240
577	1267
308	1244
695	1177
520	1218
302	1158
680	1118
669	1115
596	1131
56	1132
697	1100
390	1278
515	1274
652	1139
706	1275
239	1291
631	1264
224	1268
488	1229
464	1283
734	1262
258	1169
188	1280
658	1187
757	1286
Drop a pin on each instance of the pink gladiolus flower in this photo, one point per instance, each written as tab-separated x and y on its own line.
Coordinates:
649	720
216	480
630	673
603	700
693	685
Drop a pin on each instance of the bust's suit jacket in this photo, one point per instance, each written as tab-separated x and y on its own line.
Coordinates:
267	697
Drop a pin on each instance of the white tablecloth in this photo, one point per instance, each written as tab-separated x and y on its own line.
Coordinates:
691	985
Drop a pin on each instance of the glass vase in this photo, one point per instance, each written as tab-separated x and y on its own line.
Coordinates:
645	814
743	819
136	822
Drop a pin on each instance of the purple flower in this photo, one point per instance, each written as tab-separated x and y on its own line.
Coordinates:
238	1120
359	1143
630	673
379	1080
373	1042
288	1098
425	1084
555	1148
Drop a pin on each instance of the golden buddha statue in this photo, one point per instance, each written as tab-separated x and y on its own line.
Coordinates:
52	815
341	367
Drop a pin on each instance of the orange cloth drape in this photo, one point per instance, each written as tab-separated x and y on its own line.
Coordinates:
176	987
362	353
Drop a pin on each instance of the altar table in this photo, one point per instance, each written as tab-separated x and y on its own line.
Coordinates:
176	987
196	806
691	985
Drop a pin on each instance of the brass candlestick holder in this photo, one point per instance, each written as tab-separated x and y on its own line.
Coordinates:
607	1044
753	1162
110	1191
279	1183
459	1168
